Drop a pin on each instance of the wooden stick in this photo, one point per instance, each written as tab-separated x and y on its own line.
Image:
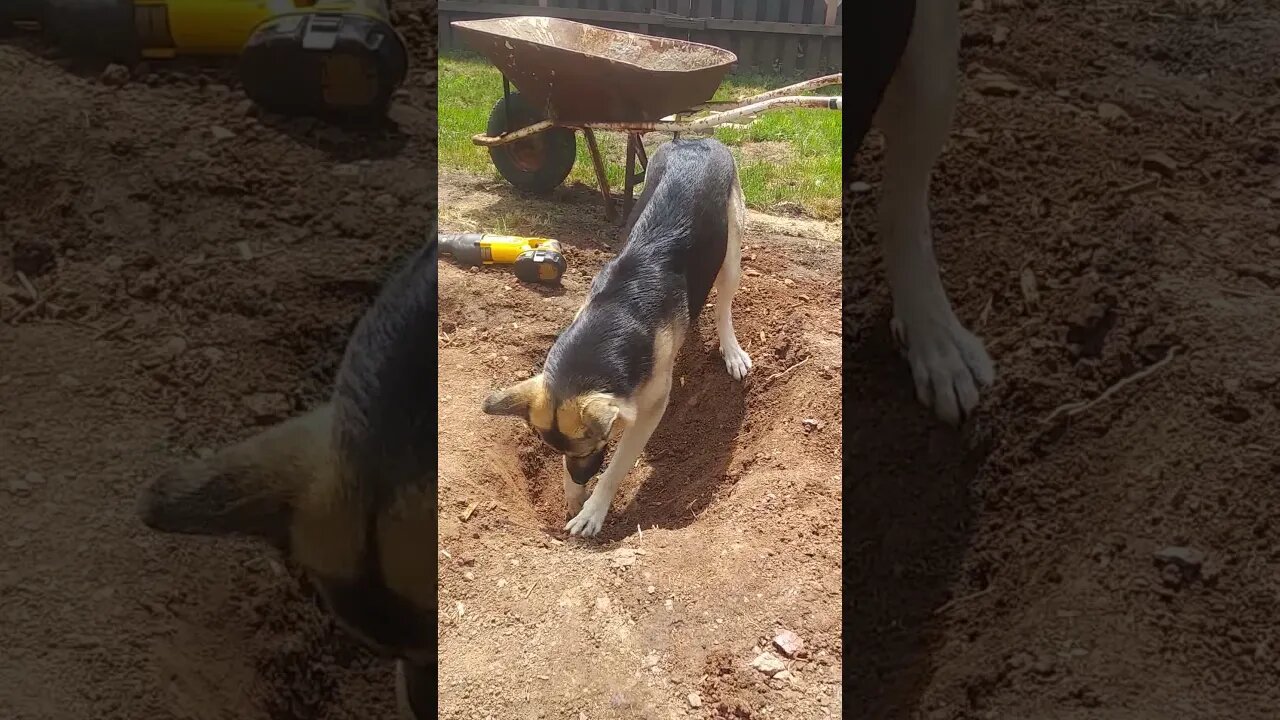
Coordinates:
1075	408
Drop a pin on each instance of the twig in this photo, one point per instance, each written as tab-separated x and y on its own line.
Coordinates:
26	285
1139	186
38	300
530	591
963	599
1075	408
113	328
777	375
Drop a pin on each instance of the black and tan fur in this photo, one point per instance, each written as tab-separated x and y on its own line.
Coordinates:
348	490
609	372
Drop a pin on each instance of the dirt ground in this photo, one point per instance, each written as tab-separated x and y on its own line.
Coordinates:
1109	199
726	534
202	268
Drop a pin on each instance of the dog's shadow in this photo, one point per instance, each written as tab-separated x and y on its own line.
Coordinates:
909	512
691	450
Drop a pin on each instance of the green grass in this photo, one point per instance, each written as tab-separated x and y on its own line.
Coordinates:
785	156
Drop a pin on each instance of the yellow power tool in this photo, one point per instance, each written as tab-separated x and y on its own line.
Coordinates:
296	56
535	259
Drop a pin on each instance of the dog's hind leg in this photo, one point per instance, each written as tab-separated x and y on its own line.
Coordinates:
736	360
948	362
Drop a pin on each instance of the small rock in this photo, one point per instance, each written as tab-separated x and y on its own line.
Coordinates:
114	75
1030	289
198	156
221	133
34	478
602	603
789	643
768	663
1110	111
999	35
810	424
146	285
246	108
1159	162
346	170
859	187
996	86
1183	557
624	557
752	272
172	349
784	675
982	202
19	488
267	407
386	201
694	700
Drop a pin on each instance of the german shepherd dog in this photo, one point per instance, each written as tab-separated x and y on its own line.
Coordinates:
610	371
348	490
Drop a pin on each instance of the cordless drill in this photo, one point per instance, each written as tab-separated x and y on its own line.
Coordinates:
535	259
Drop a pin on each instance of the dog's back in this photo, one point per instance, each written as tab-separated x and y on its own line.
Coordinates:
677	236
681	221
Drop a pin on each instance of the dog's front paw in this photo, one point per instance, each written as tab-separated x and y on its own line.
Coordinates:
736	361
588	522
949	364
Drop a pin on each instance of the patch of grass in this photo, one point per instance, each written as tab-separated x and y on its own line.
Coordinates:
785	156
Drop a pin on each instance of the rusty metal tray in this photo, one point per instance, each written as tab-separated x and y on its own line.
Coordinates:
580	73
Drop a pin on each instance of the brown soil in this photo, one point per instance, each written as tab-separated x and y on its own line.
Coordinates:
1010	572
726	533
159	339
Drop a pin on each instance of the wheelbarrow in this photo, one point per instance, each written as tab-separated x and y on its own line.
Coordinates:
572	76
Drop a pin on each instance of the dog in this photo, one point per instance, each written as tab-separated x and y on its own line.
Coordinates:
906	86
609	373
348	490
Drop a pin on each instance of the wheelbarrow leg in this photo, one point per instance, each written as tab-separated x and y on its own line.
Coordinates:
609	213
632	139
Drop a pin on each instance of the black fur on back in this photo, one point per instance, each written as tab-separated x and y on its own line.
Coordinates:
676	244
385	395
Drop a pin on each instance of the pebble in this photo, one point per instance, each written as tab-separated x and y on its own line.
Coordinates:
221	133
115	75
1110	111
1183	557
694	700
996	86
768	663
267	407
860	187
1159	162
789	643
19	488
811	424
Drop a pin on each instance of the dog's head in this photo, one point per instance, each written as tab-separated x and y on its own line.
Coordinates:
363	554
578	427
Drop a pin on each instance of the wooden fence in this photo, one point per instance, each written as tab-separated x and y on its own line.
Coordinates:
790	37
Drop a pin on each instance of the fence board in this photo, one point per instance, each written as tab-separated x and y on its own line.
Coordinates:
751	42
813	45
791	43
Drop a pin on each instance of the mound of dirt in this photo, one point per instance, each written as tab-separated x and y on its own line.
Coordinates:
724	535
199	268
1107	198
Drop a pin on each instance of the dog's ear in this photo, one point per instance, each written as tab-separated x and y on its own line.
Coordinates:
516	399
601	412
249	488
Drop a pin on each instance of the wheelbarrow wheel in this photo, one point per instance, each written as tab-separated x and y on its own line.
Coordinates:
536	164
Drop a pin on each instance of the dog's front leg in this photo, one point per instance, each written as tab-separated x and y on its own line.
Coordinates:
590	519
948	362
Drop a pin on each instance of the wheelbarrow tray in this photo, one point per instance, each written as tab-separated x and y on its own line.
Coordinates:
580	73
